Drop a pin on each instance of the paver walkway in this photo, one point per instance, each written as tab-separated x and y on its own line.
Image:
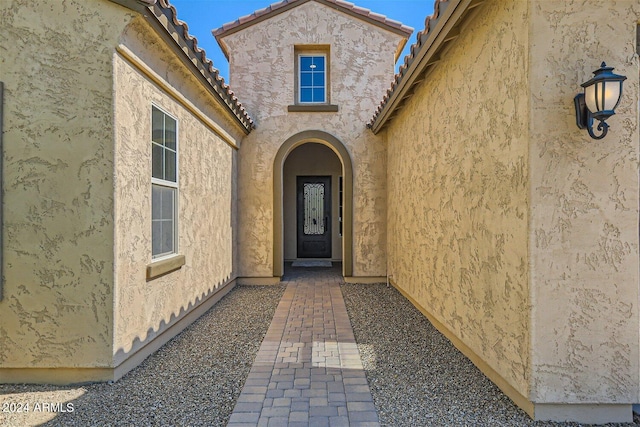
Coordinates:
308	370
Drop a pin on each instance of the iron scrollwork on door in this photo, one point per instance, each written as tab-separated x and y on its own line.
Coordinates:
314	222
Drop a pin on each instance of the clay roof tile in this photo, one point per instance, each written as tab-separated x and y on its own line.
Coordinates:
220	87
408	59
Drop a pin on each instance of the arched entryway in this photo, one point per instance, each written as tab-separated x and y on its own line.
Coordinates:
327	140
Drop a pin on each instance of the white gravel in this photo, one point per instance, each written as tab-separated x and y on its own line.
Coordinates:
416	376
193	380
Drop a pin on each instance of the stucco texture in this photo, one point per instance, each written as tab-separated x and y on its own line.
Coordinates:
458	191
584	215
58	259
207	193
262	75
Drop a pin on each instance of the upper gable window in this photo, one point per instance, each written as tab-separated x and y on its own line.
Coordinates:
312	78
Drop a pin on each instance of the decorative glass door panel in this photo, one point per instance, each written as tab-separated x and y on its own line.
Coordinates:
314	216
313	208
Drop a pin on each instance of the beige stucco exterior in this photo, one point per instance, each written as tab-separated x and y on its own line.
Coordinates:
511	229
57	309
584	208
262	75
458	192
527	228
79	303
207	187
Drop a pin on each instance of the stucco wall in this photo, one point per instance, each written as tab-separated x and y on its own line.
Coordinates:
458	191
262	75
314	160
57	309
207	193
584	215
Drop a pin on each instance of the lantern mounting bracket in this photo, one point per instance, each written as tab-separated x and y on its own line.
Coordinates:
584	118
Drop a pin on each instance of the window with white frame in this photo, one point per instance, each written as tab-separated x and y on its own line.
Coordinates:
164	183
312	78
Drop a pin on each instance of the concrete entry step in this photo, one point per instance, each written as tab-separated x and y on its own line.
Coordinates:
312	263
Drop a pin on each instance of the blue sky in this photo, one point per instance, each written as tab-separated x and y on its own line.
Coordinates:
202	16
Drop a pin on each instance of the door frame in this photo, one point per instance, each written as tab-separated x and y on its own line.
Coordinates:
328	140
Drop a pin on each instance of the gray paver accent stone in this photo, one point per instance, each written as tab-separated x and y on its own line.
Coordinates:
319	422
318	401
302	417
359	397
323	411
356	416
251	398
248	407
254	390
341	421
315	392
282	401
300	406
257	382
361	406
247	417
274	393
337	397
355	381
292	393
267	403
278	422
276	412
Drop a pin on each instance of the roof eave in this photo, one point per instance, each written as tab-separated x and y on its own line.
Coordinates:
399	49
434	41
203	72
136	5
222	44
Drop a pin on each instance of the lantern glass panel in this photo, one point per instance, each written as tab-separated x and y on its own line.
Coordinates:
611	95
590	98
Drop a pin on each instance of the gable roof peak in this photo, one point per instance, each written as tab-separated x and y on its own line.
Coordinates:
284	5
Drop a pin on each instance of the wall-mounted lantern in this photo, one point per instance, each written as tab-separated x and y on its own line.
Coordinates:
599	100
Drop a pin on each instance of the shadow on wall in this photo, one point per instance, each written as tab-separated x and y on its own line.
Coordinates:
194	379
173	326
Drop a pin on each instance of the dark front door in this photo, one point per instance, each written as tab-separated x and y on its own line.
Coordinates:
314	216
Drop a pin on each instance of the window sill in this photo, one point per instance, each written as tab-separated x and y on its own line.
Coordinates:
164	266
304	108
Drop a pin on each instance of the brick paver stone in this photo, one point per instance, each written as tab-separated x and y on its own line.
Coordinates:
308	370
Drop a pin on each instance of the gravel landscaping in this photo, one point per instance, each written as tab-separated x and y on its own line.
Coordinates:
193	380
416	376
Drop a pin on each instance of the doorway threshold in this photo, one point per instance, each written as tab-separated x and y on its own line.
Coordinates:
312	263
